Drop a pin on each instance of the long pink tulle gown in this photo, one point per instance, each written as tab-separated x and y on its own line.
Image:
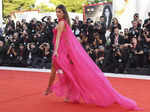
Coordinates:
81	77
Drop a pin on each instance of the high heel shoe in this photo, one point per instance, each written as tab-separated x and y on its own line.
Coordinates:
48	91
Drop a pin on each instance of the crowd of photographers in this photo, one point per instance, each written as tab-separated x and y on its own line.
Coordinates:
115	49
27	44
112	48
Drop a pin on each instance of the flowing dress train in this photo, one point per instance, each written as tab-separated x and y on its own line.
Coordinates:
81	77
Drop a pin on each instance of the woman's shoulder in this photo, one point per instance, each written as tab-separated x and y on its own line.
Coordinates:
62	23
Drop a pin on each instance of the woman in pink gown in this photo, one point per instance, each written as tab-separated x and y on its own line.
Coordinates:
80	77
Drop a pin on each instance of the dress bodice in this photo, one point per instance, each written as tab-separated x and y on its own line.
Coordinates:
55	31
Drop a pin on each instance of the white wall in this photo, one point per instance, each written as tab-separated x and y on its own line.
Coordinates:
143	8
124	11
127	9
28	15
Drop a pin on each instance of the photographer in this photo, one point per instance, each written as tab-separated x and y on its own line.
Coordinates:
89	29
25	28
32	26
10	26
100	28
16	39
136	54
13	39
21	56
40	57
147	23
10	22
117	43
33	55
136	18
135	31
46	55
24	38
99	56
2	53
116	38
126	36
49	28
9	30
43	33
90	51
84	39
11	55
76	26
18	27
37	39
118	61
146	45
102	21
48	21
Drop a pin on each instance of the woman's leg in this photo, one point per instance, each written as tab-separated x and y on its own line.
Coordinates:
51	79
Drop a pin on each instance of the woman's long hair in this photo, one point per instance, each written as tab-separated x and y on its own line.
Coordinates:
66	16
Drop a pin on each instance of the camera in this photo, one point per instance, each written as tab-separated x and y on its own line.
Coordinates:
56	21
12	44
89	20
73	19
43	46
48	18
116	48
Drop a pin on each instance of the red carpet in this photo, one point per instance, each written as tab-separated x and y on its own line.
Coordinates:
23	92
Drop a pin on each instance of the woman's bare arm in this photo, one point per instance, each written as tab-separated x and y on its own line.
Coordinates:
60	28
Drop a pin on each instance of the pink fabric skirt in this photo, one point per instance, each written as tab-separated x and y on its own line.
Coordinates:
81	78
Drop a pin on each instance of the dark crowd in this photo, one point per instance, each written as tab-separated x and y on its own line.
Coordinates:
115	49
29	44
